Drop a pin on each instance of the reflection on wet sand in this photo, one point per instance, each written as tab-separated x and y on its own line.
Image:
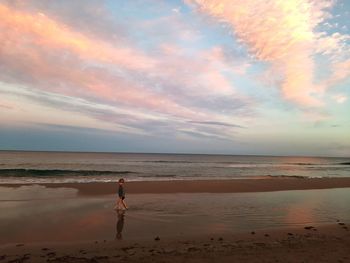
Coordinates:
302	212
120	223
93	219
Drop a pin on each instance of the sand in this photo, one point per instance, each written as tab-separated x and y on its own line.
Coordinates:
205	186
179	221
323	244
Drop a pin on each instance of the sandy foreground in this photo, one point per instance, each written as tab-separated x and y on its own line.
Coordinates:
322	244
179	221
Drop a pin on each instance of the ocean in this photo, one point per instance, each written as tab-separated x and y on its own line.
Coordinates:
61	167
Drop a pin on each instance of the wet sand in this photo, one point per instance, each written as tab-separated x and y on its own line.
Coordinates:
323	244
205	186
191	221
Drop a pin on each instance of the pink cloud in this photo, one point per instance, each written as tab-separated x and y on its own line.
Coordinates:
282	33
6	107
28	42
40	52
48	33
341	71
200	73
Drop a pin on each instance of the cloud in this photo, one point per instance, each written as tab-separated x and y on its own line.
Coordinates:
46	55
6	107
90	17
38	29
285	34
340	72
216	123
30	53
122	120
339	98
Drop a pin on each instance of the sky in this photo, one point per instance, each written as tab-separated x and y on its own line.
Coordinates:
265	77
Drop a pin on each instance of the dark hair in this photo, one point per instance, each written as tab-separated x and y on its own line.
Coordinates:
121	180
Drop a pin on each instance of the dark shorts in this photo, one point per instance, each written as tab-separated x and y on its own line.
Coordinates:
122	197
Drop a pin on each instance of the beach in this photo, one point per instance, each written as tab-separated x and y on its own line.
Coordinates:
221	127
252	220
327	244
205	186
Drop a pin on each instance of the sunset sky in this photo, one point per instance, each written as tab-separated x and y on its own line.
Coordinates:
188	76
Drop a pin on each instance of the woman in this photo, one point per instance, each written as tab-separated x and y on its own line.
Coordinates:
121	195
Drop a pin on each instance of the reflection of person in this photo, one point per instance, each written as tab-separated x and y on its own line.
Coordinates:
120	224
121	196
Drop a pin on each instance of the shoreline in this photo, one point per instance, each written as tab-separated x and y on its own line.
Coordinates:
77	223
200	186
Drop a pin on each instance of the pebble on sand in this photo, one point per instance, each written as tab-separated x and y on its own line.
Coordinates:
51	254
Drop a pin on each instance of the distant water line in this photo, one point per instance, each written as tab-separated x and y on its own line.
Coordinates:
59	167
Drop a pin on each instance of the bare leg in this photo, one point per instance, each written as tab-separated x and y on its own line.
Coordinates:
123	203
117	204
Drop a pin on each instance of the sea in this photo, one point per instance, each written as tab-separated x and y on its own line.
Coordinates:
78	167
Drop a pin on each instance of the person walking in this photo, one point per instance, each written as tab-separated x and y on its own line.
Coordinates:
120	204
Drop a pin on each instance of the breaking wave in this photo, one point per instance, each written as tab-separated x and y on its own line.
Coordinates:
56	172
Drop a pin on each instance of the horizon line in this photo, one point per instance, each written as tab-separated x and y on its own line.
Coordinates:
169	153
